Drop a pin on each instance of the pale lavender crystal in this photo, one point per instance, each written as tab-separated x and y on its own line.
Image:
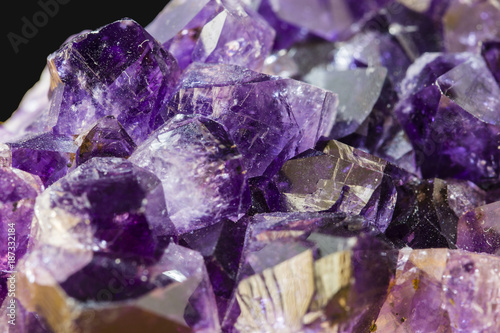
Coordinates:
373	49
427	68
398	149
118	70
358	90
106	139
267	117
441	290
467	23
331	20
5	155
365	119
18	191
479	230
213	31
299	60
175	293
201	170
30	113
46	155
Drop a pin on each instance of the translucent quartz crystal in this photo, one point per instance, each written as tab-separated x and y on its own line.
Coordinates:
118	70
213	31
266	116
441	290
201	170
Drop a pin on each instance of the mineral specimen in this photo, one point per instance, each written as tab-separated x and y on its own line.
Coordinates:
260	166
427	212
175	294
326	292
46	155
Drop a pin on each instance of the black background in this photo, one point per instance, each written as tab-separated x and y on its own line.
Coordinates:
21	70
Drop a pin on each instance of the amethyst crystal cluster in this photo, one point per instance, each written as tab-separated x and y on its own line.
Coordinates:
260	166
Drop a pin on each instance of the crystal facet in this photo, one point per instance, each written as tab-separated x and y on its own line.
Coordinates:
106	139
201	171
266	116
440	290
118	70
455	114
479	231
213	31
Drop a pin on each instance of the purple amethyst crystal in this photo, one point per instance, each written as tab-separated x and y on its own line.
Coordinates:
118	70
135	223
106	139
415	25
25	322
287	34
18	191
454	115
201	170
441	290
478	229
175	292
213	31
267	117
121	250
46	155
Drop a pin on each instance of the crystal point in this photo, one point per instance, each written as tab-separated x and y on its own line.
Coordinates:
106	139
201	171
118	70
213	32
